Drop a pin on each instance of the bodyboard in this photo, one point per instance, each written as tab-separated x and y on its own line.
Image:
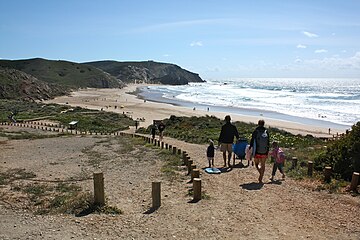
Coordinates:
254	149
239	148
212	170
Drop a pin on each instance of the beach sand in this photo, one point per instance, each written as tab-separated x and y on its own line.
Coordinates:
125	101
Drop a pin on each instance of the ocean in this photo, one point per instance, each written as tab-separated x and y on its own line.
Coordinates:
319	101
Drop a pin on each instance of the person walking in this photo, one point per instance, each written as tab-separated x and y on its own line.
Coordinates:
153	131
210	153
226	139
279	159
161	128
260	140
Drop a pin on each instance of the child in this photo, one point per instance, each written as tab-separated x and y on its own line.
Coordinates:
210	153
279	159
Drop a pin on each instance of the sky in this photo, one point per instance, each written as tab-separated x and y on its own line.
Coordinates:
216	39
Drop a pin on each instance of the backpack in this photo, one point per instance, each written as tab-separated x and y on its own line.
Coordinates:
262	140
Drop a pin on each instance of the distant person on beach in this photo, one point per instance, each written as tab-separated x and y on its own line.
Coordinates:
161	128
279	159
153	131
136	124
226	139
210	153
260	140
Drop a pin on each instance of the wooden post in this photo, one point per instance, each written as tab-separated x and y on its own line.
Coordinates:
162	145
294	162
310	168
179	152
166	146
99	195
197	189
190	162
158	143
156	194
327	174
170	147
354	181
185	159
195	173
155	142
174	150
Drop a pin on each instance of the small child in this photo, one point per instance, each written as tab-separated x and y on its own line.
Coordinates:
210	153
279	159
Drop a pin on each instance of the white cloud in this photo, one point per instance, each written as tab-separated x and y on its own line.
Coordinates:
321	51
196	44
300	46
310	35
336	63
166	55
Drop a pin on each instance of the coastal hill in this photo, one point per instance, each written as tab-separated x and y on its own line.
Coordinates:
38	78
147	72
15	84
65	73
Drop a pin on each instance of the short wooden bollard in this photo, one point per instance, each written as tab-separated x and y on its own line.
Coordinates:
354	181
162	145
156	194
166	146
99	193
174	150
327	174
158	143
197	189
170	147
185	159
155	142
195	174
179	152
294	162
190	162
310	168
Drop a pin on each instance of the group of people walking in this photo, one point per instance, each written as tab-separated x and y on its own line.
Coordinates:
259	148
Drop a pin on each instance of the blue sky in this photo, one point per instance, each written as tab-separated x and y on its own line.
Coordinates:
217	39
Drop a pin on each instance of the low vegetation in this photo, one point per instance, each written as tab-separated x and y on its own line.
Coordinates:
342	155
88	120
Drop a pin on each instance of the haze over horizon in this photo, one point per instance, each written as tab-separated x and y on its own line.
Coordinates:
217	39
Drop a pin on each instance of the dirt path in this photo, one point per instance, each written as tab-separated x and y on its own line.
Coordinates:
237	207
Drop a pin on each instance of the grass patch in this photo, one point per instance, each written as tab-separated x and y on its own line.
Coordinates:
171	164
89	120
15	174
27	135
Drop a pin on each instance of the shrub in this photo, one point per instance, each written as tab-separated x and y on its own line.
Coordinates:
342	155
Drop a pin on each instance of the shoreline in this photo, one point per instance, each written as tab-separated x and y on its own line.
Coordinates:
128	101
241	111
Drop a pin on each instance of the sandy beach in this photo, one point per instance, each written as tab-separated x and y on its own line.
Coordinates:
122	101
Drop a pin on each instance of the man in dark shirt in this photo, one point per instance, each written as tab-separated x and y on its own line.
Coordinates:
260	140
226	139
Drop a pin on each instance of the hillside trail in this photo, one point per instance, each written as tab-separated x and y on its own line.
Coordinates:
282	209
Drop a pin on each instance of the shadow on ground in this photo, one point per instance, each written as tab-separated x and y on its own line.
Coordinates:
252	186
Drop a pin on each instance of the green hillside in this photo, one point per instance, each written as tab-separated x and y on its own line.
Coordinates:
63	73
15	84
147	72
